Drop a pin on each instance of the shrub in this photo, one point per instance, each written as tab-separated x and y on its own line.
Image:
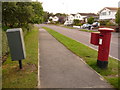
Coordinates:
110	24
76	22
5	49
104	22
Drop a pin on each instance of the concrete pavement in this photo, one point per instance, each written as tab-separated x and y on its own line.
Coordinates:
60	68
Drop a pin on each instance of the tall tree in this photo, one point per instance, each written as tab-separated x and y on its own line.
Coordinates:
38	10
46	16
9	13
17	14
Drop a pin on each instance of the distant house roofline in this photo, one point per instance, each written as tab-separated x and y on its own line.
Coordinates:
110	8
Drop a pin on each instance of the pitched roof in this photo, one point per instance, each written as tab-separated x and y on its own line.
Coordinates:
88	14
110	8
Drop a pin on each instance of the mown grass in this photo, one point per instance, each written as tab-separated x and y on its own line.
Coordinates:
85	30
89	56
12	76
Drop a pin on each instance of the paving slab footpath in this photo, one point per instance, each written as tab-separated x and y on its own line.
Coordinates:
60	68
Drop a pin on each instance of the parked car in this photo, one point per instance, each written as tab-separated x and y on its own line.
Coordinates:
96	24
88	26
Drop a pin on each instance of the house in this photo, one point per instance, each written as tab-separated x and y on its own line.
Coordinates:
69	19
85	16
80	16
53	19
107	13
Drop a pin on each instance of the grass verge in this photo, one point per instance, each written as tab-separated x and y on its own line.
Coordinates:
12	77
87	30
89	56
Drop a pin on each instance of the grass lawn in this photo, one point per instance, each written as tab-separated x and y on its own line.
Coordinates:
89	56
12	77
87	30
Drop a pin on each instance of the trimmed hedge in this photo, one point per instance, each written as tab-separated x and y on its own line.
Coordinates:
5	49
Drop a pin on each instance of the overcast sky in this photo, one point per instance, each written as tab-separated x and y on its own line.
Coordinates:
75	6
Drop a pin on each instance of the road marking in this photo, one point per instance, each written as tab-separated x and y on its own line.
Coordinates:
38	64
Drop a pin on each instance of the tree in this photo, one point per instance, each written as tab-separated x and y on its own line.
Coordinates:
18	14
38	10
90	20
8	13
118	17
46	16
24	13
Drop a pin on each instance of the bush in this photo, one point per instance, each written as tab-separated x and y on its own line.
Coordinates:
110	24
76	22
26	28
5	49
104	22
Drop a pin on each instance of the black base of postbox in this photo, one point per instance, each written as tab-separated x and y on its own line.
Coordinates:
102	64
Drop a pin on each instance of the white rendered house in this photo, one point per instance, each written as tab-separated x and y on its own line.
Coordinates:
69	19
79	16
107	13
53	18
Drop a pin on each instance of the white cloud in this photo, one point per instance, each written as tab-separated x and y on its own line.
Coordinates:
74	6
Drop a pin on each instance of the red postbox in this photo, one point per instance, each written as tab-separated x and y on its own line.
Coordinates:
103	38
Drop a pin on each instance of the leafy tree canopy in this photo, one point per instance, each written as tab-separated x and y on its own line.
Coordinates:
17	14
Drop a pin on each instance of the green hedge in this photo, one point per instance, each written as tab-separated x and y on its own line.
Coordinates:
5	49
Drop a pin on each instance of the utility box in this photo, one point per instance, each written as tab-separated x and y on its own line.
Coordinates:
16	44
95	38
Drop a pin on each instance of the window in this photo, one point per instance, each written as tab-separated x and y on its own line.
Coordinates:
109	12
103	13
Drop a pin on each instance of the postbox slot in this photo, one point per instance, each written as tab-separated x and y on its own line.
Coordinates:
95	38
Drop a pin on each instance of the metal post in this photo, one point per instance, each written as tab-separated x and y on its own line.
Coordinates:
20	64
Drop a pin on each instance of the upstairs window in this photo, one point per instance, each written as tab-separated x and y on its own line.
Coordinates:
109	12
103	13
